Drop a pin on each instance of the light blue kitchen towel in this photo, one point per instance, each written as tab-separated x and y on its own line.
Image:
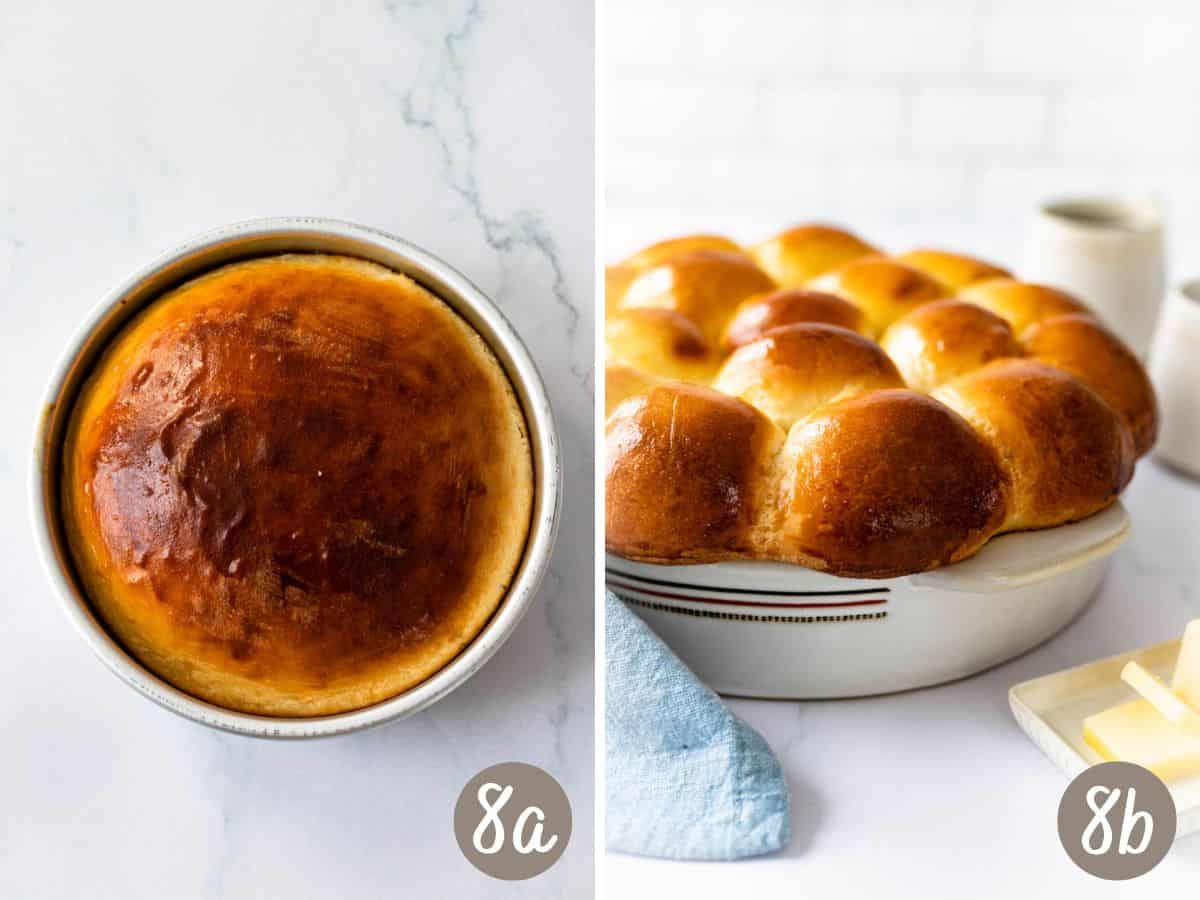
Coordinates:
686	779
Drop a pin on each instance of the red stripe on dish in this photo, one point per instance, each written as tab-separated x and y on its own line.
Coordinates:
874	601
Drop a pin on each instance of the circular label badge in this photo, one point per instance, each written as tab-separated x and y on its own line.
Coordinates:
1116	821
512	821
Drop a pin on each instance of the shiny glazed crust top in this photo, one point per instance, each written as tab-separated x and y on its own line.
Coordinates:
297	485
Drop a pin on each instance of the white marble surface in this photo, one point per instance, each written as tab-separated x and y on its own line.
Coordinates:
128	126
938	793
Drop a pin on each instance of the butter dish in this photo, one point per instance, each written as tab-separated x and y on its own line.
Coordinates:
1051	710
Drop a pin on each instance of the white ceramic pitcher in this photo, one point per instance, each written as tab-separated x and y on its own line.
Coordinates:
1107	251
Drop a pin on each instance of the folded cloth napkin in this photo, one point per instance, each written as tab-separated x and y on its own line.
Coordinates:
686	779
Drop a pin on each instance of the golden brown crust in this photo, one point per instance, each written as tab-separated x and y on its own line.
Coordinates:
706	286
1022	304
617	278
882	288
1082	346
1065	450
687	467
954	270
942	340
758	315
885	484
297	485
798	255
660	342
794	369
664	251
622	382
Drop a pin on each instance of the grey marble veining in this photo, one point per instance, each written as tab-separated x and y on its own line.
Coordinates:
464	127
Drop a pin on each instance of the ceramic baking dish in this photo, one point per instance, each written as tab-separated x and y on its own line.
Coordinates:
267	237
774	630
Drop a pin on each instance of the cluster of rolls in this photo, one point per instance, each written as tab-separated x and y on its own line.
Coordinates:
813	400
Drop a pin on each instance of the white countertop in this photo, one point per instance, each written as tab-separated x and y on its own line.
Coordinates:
130	126
938	793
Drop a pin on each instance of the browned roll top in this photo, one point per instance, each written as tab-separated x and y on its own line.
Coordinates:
887	483
797	255
711	449
758	315
1066	451
793	370
704	285
882	288
1082	346
287	480
944	339
954	270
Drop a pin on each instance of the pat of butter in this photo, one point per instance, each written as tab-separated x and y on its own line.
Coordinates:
1137	732
1186	682
1166	701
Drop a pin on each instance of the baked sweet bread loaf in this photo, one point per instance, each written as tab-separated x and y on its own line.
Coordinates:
861	414
296	485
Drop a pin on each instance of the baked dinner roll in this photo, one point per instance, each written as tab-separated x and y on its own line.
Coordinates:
706	286
794	369
1022	304
798	255
618	278
1066	452
758	315
297	485
1082	346
687	471
621	383
884	484
945	339
882	288
660	342
664	251
954	270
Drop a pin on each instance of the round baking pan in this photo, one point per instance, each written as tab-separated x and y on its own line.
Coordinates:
267	237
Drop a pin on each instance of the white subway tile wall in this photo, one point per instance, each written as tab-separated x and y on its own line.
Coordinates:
939	120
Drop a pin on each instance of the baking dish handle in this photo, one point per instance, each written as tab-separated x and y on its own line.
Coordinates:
1014	560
